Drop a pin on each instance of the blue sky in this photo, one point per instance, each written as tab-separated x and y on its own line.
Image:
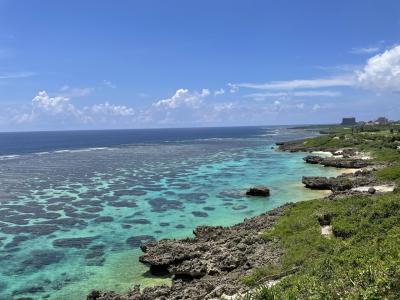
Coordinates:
138	64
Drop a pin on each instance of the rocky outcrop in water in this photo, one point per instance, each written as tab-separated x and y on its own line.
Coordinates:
313	159
317	182
261	191
210	264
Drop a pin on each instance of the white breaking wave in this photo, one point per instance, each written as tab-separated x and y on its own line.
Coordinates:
15	156
42	153
83	150
268	134
7	157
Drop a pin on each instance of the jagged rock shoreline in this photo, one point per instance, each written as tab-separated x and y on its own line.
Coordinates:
209	265
338	162
340	183
212	264
362	181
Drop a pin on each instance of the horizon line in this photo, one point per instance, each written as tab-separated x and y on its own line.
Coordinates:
163	128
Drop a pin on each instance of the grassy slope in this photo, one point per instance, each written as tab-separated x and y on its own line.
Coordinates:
362	259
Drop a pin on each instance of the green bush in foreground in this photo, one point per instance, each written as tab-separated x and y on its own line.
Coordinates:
360	261
390	173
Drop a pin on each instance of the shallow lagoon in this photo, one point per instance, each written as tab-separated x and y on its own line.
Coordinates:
72	220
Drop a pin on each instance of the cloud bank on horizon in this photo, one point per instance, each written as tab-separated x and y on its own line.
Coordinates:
362	81
185	107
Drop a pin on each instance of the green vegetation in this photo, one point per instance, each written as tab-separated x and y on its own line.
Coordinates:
261	273
390	173
382	142
361	259
386	155
330	141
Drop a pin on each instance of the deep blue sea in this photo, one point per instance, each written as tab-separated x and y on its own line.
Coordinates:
75	206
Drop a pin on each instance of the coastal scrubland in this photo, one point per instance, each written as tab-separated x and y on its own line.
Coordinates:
360	259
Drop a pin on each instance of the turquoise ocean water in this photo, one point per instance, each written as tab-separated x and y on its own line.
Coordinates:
72	218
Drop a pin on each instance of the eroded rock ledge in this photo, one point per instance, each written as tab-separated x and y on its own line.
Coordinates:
340	183
363	181
210	264
338	162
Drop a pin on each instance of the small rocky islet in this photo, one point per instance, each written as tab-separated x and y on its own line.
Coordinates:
212	264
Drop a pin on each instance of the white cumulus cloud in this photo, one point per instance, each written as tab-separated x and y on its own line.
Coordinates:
382	71
109	109
60	109
53	105
183	98
219	92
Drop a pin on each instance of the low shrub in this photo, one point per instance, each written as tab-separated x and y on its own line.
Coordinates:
360	261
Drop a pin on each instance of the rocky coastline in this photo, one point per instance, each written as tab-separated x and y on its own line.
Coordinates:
362	181
209	265
212	264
